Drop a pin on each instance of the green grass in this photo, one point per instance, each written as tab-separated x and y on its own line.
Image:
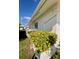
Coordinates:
22	49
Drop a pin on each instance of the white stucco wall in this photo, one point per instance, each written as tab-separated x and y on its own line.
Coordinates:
48	19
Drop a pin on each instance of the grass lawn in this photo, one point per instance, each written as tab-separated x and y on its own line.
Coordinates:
22	49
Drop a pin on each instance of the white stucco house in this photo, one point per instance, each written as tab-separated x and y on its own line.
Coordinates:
47	17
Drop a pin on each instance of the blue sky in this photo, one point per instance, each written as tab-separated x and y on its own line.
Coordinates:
26	9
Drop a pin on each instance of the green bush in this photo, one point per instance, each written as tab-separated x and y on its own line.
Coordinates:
42	39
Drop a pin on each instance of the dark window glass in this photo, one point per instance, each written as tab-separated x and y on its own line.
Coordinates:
36	25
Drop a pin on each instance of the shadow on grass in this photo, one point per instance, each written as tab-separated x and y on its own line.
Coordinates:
22	35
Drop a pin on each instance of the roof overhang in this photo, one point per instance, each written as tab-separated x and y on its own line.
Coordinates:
41	8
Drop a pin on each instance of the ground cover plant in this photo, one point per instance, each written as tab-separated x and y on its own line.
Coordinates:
42	40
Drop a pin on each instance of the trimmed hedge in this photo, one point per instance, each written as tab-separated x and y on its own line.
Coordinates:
42	40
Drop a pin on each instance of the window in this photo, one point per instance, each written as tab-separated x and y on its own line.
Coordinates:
36	25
